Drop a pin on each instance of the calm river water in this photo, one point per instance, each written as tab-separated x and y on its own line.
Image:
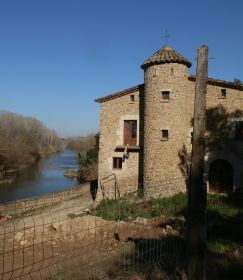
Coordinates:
46	177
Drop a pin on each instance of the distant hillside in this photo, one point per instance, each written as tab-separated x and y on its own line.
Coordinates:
82	143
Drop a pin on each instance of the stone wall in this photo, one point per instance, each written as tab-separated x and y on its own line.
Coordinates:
220	135
162	164
158	165
112	116
222	113
32	203
161	160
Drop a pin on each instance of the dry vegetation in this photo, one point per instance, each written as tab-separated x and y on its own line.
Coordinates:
82	143
23	141
87	148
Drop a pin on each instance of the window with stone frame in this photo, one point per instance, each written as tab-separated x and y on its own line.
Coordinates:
165	134
132	98
165	95
223	93
239	130
117	163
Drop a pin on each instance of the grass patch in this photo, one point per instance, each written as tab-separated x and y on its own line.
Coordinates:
127	209
32	211
220	246
60	273
73	216
224	205
224	234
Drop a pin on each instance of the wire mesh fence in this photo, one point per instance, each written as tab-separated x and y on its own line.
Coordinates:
130	237
225	236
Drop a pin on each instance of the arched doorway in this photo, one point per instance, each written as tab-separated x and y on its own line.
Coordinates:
220	176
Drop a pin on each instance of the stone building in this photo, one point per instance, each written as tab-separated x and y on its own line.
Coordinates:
152	124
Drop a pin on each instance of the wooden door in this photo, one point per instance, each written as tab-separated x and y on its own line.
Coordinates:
221	176
130	132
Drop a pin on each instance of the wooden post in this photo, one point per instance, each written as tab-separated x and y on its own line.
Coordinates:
197	193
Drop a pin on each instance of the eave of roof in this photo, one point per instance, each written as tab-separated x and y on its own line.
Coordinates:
220	83
119	94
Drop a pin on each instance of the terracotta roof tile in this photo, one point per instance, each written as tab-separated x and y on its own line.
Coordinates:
166	55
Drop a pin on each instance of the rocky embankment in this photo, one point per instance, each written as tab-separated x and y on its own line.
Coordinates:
70	173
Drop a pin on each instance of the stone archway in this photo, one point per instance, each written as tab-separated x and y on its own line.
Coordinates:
220	176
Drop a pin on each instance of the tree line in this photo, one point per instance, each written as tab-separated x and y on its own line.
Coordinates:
87	148
23	140
81	143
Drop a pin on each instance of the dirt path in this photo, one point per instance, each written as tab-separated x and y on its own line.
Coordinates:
29	242
49	214
62	241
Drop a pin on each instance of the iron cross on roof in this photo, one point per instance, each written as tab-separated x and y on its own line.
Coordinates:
166	36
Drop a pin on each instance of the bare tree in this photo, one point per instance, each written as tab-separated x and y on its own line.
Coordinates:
23	140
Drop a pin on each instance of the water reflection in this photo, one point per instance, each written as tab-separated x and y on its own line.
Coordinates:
45	177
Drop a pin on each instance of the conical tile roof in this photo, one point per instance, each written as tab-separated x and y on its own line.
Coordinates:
166	55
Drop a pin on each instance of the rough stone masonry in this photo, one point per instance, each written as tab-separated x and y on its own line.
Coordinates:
160	115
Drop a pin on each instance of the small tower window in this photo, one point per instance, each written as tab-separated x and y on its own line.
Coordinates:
223	93
117	163
132	98
165	95
172	71
165	134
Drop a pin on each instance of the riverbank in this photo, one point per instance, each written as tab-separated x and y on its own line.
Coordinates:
27	206
24	141
9	173
44	177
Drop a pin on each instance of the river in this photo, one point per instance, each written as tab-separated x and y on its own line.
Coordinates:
46	176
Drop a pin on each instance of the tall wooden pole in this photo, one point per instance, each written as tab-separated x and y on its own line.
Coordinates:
197	193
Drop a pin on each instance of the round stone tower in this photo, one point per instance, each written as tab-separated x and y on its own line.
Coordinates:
165	121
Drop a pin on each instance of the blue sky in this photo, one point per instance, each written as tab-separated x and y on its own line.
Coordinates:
57	56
